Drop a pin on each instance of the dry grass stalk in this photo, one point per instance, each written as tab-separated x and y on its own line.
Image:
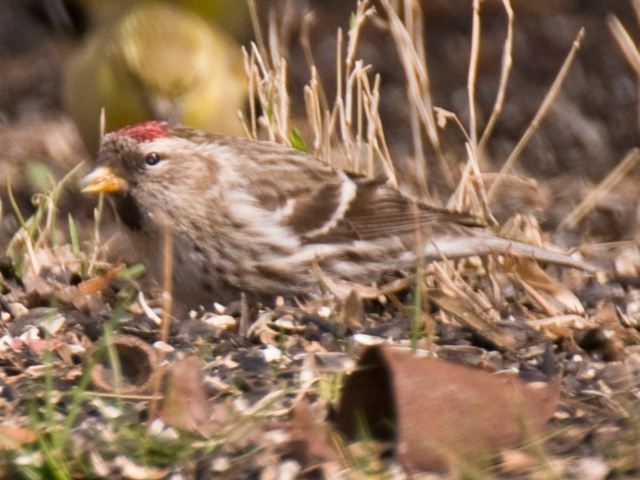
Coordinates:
505	72
636	9
590	201
461	289
471	194
470	308
269	86
567	320
540	114
167	304
251	129
409	44
470	187
34	264
537	297
473	71
167	281
305	42
355	107
34	236
350	128
255	22
626	44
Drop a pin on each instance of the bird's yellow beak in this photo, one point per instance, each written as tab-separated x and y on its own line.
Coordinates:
102	179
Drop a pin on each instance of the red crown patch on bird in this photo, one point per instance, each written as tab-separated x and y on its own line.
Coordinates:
146	131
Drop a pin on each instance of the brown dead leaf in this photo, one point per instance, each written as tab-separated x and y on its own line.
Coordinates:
186	405
310	443
94	285
37	288
440	413
554	297
12	438
470	318
352	314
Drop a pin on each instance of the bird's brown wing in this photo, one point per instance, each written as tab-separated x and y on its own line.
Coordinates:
324	205
357	208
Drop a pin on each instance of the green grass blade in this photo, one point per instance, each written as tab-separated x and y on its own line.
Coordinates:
73	235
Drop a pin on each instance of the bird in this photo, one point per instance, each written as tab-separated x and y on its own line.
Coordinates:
259	217
156	61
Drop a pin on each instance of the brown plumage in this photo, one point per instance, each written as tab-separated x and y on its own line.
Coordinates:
255	216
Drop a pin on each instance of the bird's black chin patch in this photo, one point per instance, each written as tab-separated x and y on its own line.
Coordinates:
129	211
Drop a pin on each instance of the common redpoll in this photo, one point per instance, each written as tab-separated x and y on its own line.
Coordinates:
256	216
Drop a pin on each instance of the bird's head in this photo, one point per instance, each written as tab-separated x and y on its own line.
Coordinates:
153	166
127	157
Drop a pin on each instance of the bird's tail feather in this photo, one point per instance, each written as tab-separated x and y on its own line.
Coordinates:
460	247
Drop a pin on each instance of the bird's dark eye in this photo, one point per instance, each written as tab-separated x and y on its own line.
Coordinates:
152	159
